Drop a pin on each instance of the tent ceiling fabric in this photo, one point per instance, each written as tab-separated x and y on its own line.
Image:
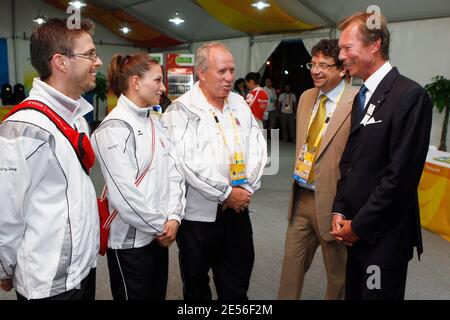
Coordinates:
198	25
141	34
394	10
240	15
302	11
207	20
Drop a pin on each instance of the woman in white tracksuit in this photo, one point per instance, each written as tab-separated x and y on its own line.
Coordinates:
144	184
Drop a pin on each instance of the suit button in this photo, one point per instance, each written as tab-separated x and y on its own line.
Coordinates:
349	170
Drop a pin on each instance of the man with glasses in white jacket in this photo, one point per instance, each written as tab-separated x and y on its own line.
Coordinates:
223	154
49	230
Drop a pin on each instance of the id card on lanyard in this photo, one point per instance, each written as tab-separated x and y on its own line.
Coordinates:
304	163
287	105
238	168
305	160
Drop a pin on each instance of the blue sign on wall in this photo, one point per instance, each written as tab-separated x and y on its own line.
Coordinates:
4	74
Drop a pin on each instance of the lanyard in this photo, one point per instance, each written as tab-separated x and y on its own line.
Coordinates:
288	103
222	132
327	121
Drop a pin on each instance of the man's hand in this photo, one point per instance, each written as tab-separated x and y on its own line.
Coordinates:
169	233
6	285
238	200
335	223
345	232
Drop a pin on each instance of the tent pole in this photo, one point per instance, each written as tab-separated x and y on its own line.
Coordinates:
13	16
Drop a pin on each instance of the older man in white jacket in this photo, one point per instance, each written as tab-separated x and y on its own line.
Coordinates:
223	154
49	230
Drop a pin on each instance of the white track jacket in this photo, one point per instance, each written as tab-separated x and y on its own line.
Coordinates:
49	229
204	157
124	145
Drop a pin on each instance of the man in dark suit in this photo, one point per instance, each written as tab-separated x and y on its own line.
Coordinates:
375	211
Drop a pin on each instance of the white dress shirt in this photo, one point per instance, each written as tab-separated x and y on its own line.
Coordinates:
332	101
287	102
374	80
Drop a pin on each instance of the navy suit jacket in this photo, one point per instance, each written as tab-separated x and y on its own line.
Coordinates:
380	170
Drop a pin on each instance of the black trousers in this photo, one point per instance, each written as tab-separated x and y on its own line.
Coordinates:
361	279
226	247
85	292
139	273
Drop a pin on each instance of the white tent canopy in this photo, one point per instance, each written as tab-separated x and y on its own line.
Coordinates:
420	42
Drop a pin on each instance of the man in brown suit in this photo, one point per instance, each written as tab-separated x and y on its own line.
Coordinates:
323	126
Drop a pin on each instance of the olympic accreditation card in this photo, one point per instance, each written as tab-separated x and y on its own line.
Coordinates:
303	165
238	170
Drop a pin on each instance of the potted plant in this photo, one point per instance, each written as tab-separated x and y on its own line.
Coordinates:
439	91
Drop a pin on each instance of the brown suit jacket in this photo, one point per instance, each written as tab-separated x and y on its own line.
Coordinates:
326	168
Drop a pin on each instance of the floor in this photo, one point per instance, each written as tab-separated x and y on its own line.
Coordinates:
427	279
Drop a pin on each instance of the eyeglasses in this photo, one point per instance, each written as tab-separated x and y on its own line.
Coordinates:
91	56
319	66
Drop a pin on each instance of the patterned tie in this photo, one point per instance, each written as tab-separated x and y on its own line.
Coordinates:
361	101
314	131
318	122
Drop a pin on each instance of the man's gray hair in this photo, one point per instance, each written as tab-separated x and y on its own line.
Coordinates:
202	55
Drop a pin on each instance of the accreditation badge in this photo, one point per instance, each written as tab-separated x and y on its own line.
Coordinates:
303	165
238	170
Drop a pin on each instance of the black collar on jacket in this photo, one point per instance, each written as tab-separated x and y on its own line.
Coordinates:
377	98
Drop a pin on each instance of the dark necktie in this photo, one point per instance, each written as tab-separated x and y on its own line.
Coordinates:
361	101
